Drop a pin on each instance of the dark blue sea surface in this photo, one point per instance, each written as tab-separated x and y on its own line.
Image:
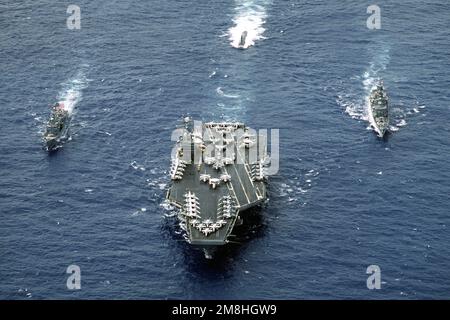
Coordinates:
343	198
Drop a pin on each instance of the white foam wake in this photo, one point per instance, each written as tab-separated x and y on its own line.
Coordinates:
220	92
250	16
356	102
370	78
374	72
357	105
71	92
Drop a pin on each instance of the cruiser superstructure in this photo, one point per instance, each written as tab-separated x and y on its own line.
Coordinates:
379	109
57	129
217	172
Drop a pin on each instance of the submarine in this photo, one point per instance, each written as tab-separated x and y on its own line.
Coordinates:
379	109
57	129
217	173
241	44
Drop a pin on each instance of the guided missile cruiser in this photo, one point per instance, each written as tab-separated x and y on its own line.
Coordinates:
241	44
217	173
379	109
57	130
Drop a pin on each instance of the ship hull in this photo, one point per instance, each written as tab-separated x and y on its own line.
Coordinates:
379	129
54	143
379	109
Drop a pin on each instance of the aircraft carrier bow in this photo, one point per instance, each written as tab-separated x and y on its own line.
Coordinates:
217	172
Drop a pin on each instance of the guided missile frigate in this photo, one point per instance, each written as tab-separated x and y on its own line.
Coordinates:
217	172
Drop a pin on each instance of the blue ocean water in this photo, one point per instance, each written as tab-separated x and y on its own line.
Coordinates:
342	200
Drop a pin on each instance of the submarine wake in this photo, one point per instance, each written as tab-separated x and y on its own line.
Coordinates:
248	22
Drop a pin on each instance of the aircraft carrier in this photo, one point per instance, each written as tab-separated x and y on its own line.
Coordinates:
217	173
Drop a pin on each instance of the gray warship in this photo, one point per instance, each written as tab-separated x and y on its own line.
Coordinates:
57	130
217	173
379	109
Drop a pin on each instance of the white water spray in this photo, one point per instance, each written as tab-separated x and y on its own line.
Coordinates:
71	93
250	17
